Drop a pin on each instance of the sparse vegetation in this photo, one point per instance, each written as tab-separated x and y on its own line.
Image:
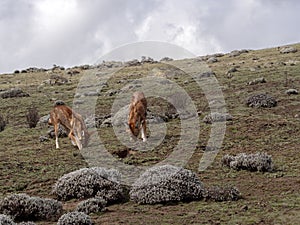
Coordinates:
24	207
217	117
6	220
33	167
220	194
27	223
32	117
75	218
91	205
253	162
261	100
90	182
166	184
13	93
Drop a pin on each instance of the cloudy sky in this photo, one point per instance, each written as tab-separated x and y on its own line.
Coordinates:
40	33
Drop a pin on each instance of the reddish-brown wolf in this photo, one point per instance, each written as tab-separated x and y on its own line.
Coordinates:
71	121
137	115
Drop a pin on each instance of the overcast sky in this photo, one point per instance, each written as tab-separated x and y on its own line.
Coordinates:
40	33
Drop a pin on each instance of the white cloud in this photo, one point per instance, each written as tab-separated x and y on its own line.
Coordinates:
71	32
178	23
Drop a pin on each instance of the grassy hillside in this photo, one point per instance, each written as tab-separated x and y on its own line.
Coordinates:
30	166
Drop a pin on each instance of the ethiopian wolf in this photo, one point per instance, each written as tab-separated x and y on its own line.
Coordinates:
137	115
72	121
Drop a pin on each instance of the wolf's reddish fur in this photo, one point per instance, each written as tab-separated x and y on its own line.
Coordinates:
137	115
72	121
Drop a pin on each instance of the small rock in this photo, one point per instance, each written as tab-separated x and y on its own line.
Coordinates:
212	60
103	84
217	117
107	123
147	60
218	55
85	67
90	122
257	81
235	53
13	93
77	95
134	62
166	59
61	132
109	64
43	121
253	69
56	79
43	138
73	72
232	70
155	119
79	102
289	49
112	92
229	75
291	92
207	74
244	208
91	93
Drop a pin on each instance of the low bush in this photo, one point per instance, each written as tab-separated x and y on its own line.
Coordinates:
220	194
166	184
23	207
32	117
253	162
90	182
6	220
75	218
91	205
27	223
261	100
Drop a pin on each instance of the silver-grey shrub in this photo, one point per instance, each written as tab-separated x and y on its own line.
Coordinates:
89	182
75	218
6	220
91	205
261	100
220	194
22	206
217	117
27	223
253	162
166	184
